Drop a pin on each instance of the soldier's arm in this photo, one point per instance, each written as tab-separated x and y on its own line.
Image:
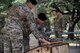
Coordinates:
34	30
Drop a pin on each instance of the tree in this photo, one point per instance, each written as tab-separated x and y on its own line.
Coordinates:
4	4
75	16
72	7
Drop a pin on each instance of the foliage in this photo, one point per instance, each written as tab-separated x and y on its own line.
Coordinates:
4	3
75	3
45	6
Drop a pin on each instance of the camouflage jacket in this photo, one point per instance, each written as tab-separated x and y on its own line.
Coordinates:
21	18
42	29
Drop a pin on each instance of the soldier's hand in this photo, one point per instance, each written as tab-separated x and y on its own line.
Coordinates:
45	42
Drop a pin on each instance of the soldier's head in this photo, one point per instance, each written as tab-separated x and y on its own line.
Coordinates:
31	3
56	13
41	18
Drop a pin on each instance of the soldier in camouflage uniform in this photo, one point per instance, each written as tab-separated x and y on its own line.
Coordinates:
19	24
40	26
58	24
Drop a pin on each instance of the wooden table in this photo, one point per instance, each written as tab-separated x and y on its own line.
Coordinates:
54	47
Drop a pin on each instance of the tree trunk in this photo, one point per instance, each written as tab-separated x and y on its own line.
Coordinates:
71	29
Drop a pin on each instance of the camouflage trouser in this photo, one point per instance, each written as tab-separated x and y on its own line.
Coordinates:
13	43
58	34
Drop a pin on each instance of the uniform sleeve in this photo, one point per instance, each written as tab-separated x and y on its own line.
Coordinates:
33	27
30	22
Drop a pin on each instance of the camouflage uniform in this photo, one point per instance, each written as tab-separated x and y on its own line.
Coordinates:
58	26
41	29
19	25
